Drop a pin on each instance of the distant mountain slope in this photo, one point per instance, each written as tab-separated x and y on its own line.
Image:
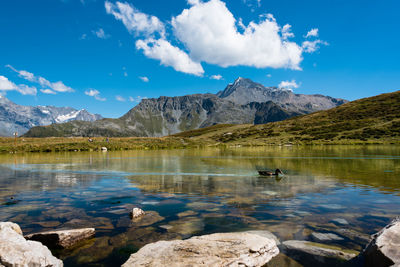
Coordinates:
169	115
241	102
244	91
17	118
370	119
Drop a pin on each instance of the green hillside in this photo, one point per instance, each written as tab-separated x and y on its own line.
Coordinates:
369	120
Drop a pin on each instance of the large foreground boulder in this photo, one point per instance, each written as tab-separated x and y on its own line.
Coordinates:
16	251
223	249
384	248
310	253
62	238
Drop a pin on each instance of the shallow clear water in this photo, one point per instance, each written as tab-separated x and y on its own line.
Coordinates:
326	189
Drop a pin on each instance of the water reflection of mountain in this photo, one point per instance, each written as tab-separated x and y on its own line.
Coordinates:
233	189
14	181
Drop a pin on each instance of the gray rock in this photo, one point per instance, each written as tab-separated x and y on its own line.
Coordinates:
222	249
355	236
326	237
340	221
16	251
384	248
266	234
309	253
62	238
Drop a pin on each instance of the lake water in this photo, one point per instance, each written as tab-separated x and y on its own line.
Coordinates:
325	189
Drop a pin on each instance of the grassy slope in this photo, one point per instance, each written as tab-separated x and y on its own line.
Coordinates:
369	120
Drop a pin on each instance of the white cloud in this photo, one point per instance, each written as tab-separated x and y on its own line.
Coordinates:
48	91
101	34
312	46
216	77
120	98
55	86
169	55
125	74
269	75
96	94
7	85
209	32
287	32
136	99
144	79
312	33
23	73
288	85
60	87
134	20
193	2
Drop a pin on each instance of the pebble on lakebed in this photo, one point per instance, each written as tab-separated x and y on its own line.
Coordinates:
136	213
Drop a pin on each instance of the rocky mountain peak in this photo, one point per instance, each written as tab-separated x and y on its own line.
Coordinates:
244	91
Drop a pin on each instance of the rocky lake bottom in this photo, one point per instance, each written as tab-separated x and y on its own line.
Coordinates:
333	195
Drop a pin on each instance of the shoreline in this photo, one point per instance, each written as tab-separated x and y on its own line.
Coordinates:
82	144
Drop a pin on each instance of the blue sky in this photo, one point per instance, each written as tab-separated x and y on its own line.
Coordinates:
105	56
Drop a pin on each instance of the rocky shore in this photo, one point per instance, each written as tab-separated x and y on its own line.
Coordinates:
251	248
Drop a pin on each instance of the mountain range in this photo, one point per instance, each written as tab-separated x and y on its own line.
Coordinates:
243	101
17	118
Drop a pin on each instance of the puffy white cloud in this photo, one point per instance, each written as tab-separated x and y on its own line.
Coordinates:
101	34
134	20
48	91
288	85
95	93
312	46
312	33
61	87
269	75
169	55
55	86
7	85
120	98
216	77
209	32
144	79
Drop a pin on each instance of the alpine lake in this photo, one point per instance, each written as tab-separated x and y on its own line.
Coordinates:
351	191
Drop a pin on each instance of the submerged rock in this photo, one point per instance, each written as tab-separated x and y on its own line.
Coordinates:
384	248
309	253
340	221
355	236
62	238
149	218
225	249
16	251
326	237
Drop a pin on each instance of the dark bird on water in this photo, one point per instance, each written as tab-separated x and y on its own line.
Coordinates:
268	173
